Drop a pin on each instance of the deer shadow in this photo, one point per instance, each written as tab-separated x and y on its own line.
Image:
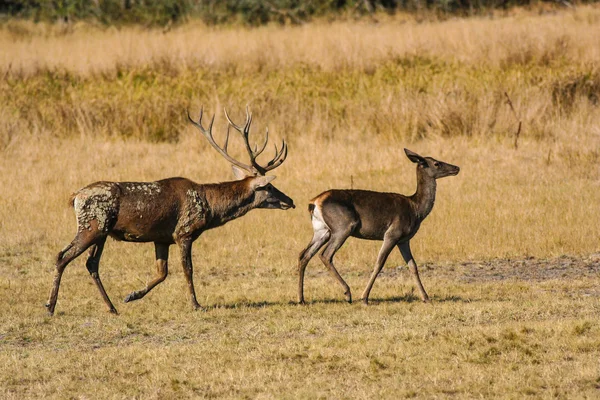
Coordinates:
320	301
243	304
407	298
411	298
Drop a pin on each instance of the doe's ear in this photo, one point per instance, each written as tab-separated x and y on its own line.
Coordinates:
262	181
238	172
414	157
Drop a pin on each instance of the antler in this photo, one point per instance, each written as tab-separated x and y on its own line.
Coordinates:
280	154
222	150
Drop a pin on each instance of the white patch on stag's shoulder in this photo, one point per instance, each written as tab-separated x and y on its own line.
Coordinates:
193	213
317	220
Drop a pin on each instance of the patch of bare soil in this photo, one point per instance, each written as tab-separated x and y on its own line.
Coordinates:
529	269
533	270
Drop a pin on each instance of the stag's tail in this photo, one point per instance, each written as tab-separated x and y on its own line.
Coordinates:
72	200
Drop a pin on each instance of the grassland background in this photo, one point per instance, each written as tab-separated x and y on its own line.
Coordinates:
167	13
88	104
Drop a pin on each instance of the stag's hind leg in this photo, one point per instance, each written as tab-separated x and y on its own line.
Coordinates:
82	241
162	270
92	264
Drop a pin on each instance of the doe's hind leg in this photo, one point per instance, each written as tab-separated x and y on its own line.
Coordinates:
341	227
320	237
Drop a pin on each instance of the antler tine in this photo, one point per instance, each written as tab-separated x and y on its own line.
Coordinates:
245	131
248	122
238	128
280	157
226	140
280	154
222	150
264	145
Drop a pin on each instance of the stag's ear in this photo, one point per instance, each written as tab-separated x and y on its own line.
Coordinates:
262	181
414	157
239	173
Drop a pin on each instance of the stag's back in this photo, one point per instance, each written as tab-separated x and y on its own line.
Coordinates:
141	211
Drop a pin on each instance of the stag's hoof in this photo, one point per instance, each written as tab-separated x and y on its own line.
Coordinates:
131	296
113	311
50	309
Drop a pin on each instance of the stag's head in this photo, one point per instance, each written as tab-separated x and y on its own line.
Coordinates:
432	167
265	194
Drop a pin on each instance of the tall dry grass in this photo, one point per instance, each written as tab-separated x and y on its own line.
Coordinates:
478	42
395	78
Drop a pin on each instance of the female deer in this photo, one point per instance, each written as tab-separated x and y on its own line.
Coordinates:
391	217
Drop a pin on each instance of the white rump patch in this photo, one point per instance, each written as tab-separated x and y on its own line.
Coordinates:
317	220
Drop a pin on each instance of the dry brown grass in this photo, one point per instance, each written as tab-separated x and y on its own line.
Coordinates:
97	105
522	38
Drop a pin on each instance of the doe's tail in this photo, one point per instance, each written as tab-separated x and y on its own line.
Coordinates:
311	208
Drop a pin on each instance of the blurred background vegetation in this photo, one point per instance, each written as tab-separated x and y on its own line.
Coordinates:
247	12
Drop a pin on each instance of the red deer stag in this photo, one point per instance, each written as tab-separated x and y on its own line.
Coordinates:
169	211
391	217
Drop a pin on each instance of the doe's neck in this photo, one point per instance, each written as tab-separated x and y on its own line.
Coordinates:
424	198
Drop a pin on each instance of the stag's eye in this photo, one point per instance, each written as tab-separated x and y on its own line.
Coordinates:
437	164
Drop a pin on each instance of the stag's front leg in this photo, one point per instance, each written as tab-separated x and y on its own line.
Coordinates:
185	245
412	265
161	251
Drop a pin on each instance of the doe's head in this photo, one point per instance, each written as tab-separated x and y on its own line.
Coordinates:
432	167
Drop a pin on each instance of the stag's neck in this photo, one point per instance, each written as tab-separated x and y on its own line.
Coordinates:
229	200
424	198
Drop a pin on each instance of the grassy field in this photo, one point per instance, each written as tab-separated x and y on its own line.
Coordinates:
509	255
